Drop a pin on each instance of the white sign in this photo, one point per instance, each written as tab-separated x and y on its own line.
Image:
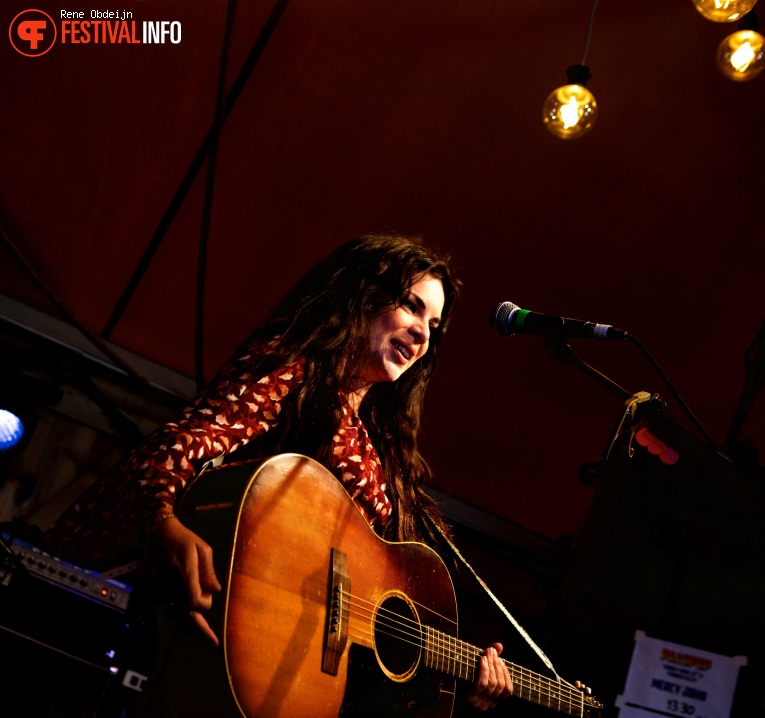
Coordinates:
673	680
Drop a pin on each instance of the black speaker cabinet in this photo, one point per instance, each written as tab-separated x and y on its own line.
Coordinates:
62	653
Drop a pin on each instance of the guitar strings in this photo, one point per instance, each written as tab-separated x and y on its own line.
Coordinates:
414	633
410	632
557	699
438	651
561	697
558	685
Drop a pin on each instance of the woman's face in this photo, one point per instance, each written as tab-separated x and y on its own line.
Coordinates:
400	336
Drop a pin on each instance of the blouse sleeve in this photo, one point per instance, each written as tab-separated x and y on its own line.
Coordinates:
235	409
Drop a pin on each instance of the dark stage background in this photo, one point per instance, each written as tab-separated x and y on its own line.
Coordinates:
422	117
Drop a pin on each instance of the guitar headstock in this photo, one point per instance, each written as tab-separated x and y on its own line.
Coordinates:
592	706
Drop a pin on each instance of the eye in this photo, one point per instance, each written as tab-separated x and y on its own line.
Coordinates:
410	305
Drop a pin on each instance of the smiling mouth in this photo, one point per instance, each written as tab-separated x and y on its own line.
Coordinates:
403	350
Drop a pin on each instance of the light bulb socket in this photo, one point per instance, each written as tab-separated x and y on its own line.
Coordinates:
578	75
750	21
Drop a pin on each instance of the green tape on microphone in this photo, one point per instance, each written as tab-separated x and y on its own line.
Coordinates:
521	317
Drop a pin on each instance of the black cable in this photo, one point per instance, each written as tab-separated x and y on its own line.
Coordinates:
11	566
754	359
676	395
754	368
204	233
193	170
589	32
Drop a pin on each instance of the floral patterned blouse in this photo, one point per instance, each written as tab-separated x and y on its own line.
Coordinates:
238	408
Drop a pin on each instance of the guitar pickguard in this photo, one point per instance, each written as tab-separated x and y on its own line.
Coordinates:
369	693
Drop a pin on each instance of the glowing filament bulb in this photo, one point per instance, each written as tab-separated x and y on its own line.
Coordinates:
569	113
724	10
741	56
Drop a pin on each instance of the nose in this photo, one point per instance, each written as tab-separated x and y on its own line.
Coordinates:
420	330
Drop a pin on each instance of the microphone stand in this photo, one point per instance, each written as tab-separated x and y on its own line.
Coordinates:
560	351
637	409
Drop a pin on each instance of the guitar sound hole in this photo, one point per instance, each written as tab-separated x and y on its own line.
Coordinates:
398	637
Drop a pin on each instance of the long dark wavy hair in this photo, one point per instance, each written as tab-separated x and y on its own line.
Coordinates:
326	319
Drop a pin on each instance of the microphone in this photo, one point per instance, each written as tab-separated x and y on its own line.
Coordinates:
509	319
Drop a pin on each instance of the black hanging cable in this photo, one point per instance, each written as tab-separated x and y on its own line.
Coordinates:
589	32
740	446
209	193
676	395
193	170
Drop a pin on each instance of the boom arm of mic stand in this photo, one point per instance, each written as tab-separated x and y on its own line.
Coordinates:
560	351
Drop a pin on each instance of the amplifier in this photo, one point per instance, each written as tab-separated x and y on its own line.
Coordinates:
89	584
68	638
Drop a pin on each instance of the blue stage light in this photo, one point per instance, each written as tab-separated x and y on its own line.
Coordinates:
11	430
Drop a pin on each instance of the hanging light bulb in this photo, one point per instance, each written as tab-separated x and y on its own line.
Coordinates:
741	56
570	111
724	10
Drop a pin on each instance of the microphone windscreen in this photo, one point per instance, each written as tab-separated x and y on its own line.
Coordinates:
501	316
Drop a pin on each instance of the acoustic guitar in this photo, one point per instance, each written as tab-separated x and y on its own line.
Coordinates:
319	617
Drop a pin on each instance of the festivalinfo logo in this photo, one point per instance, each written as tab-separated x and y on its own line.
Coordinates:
33	32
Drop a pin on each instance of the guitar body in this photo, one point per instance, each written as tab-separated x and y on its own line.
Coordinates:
291	547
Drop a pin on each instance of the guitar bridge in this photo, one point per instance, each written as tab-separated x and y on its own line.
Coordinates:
338	603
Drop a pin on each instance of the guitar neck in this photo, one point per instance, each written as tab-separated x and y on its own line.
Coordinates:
449	655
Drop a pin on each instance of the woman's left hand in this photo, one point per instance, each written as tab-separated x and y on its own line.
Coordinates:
493	682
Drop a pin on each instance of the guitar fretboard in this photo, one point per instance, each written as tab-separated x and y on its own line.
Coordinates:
454	657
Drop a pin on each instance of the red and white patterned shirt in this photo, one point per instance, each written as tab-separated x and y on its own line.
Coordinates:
236	409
